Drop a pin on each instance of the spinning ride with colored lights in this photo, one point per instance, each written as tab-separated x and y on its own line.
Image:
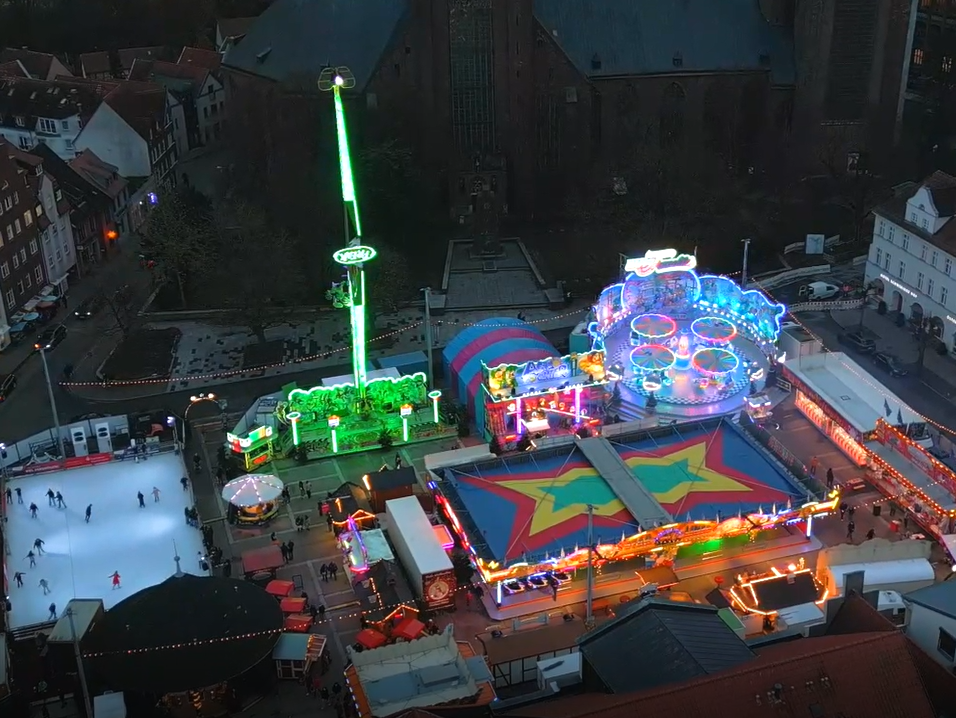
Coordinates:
253	498
683	338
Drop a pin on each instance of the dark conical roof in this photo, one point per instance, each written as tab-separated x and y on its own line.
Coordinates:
185	633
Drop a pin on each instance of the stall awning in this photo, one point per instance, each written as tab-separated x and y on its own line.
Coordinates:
370	639
409	629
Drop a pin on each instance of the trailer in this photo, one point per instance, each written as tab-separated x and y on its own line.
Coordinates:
429	569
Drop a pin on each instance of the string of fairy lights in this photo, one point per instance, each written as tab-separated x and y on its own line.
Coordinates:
120	383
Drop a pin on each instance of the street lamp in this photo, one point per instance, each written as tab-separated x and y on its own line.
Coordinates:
193	400
56	415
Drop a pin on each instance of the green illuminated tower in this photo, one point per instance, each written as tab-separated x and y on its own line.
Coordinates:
354	255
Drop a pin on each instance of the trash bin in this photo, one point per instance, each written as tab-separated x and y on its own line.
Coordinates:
877	509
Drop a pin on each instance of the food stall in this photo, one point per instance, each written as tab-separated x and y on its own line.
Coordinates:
363	549
261	563
297	655
254	446
253	499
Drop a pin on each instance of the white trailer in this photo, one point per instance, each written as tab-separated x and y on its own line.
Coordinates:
901	575
429	569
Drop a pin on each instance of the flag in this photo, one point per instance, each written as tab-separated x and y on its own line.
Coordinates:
886	408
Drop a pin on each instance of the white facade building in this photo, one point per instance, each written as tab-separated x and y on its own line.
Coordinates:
211	110
931	621
59	255
36	112
912	259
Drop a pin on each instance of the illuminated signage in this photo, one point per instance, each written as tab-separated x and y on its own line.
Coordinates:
544	371
660	260
354	255
254	436
899	286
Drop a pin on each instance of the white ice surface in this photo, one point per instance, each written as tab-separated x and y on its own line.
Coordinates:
79	558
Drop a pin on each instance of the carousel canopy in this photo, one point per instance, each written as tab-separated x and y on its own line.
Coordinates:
187	633
252	490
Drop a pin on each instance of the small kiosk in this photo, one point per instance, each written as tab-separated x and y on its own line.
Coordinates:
253	499
254	446
298	654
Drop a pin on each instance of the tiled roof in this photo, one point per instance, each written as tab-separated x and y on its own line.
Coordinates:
686	640
856	615
866	674
206	59
102	174
131	54
895	211
303	37
36	63
154	70
83	196
13	68
642	38
29	99
141	104
235	26
95	63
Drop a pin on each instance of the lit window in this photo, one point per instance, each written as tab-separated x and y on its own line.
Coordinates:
17	226
33	247
39	210
4	270
947	64
918	56
28	218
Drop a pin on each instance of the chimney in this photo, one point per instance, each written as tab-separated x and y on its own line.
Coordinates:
853	583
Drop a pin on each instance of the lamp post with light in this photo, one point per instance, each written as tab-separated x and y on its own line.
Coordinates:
193	400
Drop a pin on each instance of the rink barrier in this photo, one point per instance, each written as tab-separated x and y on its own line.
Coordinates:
74	462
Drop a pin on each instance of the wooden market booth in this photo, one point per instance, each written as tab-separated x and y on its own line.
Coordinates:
299	654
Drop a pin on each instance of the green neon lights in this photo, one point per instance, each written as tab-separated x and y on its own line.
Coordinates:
345	161
354	255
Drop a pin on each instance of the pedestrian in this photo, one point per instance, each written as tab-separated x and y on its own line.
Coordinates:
842	509
38	545
19	496
468	600
272	537
115	576
142	502
203	563
336	691
156	493
308	491
313	611
52	611
324	695
322	612
89	512
333	569
32	558
50	497
850	528
185	482
814	463
291	548
60	503
308	522
324	572
9	496
830	477
220	475
285	551
33	508
328	520
197	462
45	586
18	577
850	511
301	489
870	534
318	505
398	460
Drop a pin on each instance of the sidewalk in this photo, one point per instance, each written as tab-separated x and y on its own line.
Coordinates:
106	274
901	342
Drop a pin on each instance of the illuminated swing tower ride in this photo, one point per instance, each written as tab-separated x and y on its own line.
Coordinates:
354	255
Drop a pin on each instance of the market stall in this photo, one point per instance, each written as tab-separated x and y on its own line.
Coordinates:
261	562
297	655
253	499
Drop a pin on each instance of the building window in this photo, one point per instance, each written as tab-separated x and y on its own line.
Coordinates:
947	266
28	218
39	210
947	64
887	258
17	226
934	259
946	644
65	124
47	126
913	217
919	281
11	298
9	232
906	243
8	203
902	272
925	223
880	227
33	247
930	287
38	273
879	256
918	57
58	195
922	252
943	295
4	270
891	233
27	282
23	255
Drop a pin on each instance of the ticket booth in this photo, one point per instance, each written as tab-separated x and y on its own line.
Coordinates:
255	446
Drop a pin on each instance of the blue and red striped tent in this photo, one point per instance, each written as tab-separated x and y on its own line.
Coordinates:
502	340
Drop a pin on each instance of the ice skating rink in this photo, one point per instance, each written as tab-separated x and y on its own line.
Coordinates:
79	558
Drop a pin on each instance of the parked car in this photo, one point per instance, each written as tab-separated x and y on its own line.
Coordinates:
818	291
856	340
888	362
49	339
89	307
8	382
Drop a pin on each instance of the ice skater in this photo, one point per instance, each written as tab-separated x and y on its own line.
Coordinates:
155	493
32	557
60	503
142	502
52	612
50	496
89	512
38	545
18	577
45	586
33	507
116	580
185	482
19	495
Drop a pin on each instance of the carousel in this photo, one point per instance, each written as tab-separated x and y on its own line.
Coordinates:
253	499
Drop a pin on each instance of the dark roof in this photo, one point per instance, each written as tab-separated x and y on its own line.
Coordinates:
186	633
895	211
13	68
234	27
196	57
142	105
856	615
392	479
131	54
685	640
95	63
38	64
30	99
867	674
942	188
940	597
642	38
300	38
778	593
83	196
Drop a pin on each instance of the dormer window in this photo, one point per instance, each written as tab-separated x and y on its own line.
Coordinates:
913	217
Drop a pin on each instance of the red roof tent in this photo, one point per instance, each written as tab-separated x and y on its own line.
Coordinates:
262	559
370	639
409	629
